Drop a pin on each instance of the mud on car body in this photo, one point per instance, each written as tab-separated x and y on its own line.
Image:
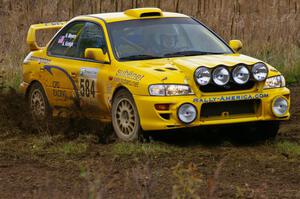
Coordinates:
144	69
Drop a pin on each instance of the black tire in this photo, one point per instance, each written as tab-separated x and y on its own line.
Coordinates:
125	117
38	102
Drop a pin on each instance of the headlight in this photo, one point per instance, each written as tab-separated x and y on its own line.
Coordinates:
275	82
221	76
241	74
187	113
280	106
202	76
169	89
260	71
157	90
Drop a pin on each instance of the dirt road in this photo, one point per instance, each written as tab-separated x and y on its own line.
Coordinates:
51	164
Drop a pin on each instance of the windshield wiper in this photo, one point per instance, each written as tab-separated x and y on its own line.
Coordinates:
191	53
139	57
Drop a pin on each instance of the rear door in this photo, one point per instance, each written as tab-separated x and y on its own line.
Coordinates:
74	79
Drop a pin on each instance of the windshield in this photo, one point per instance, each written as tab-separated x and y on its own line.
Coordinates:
166	37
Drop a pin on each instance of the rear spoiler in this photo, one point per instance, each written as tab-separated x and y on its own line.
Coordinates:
31	36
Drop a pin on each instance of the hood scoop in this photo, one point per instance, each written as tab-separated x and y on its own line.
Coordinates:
144	12
170	68
159	70
167	68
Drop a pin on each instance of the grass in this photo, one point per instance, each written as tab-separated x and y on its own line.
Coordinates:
51	144
188	181
287	61
124	148
69	148
46	144
283	56
9	80
42	145
15	82
288	148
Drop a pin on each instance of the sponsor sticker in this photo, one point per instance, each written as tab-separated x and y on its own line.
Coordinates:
67	40
57	92
128	77
89	72
231	98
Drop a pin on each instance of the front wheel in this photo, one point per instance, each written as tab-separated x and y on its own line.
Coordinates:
125	117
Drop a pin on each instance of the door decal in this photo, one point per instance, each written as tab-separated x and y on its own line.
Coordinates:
48	68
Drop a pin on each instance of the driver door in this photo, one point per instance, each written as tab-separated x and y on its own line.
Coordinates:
74	80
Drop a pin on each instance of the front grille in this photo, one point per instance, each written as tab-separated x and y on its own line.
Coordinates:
231	86
221	109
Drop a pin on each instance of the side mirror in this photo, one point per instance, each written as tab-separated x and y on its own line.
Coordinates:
236	45
96	54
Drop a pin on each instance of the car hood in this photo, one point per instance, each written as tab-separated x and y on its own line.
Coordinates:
180	69
211	61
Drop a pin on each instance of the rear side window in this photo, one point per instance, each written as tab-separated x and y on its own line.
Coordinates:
66	43
73	41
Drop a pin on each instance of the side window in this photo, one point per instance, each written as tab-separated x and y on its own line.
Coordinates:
66	43
92	36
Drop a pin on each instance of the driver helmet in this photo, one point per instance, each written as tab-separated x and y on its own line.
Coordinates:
168	40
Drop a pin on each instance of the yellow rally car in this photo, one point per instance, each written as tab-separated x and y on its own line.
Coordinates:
144	69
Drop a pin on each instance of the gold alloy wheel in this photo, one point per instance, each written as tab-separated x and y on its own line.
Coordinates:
125	118
37	104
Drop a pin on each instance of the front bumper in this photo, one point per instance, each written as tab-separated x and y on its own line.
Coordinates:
152	119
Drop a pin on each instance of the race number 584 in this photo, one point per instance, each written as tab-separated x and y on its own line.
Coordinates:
87	88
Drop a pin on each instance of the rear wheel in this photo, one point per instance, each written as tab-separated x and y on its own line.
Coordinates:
38	102
125	117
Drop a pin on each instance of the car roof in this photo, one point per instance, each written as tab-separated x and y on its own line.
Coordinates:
137	13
